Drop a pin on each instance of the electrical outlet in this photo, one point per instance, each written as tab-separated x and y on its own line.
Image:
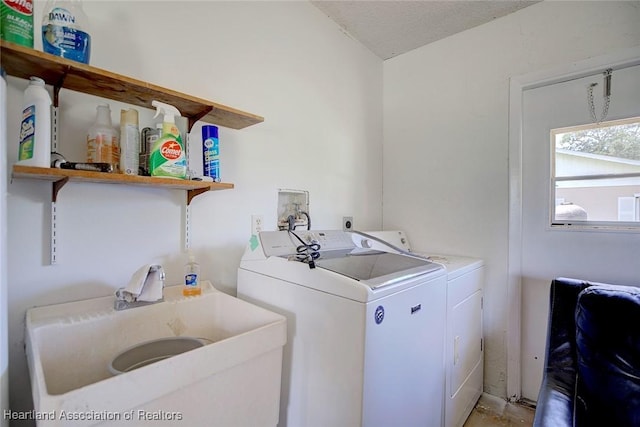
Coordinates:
347	223
256	224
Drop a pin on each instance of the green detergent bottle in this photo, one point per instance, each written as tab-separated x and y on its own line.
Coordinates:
16	21
168	158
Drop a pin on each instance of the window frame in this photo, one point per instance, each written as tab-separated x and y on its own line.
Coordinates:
580	225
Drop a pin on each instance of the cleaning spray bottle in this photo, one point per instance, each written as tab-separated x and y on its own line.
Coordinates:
168	157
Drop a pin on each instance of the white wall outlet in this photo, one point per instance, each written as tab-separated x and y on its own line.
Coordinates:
257	223
347	223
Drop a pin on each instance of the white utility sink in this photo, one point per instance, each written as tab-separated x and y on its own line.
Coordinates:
233	380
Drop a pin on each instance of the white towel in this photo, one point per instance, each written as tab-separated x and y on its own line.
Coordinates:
144	286
136	283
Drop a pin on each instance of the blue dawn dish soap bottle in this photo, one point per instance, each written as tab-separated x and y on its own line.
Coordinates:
65	30
210	152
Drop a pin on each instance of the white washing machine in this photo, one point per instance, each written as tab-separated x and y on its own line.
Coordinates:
464	343
366	328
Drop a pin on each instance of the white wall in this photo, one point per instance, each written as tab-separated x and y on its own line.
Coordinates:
4	341
446	142
610	257
319	91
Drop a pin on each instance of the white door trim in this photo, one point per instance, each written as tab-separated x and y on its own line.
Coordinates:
517	85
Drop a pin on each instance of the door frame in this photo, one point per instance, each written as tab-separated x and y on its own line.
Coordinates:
517	85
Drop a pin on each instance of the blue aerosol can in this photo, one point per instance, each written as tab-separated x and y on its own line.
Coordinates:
210	152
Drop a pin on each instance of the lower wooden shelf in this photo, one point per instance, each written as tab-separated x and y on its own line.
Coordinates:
59	177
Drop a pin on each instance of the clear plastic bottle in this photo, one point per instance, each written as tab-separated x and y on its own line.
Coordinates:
35	127
191	277
65	30
103	139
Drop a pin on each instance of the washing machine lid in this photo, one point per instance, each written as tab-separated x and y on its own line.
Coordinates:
375	268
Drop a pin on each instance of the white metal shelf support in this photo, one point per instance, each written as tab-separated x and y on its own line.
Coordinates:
54	254
186	215
187	205
53	258
187	224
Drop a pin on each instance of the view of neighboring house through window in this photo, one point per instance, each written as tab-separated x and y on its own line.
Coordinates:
596	175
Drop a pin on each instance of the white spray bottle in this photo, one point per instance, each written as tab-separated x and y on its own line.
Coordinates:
168	157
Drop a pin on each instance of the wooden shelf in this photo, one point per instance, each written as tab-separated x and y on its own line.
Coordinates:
59	177
23	62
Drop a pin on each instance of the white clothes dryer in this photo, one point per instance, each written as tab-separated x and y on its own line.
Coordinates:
464	342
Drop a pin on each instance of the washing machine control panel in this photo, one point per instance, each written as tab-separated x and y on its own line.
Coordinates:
284	243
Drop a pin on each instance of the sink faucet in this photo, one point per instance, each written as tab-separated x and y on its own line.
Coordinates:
146	288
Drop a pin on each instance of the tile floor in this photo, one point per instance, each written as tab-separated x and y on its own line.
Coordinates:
492	411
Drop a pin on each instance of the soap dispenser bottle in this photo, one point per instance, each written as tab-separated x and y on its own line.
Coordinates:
191	277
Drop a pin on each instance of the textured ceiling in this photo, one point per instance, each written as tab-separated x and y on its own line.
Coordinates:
390	28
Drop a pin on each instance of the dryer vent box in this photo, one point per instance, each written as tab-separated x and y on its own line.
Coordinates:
293	203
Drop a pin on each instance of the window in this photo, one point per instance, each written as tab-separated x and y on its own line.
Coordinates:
596	175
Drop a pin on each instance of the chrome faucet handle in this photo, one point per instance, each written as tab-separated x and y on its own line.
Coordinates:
155	275
123	295
157	268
